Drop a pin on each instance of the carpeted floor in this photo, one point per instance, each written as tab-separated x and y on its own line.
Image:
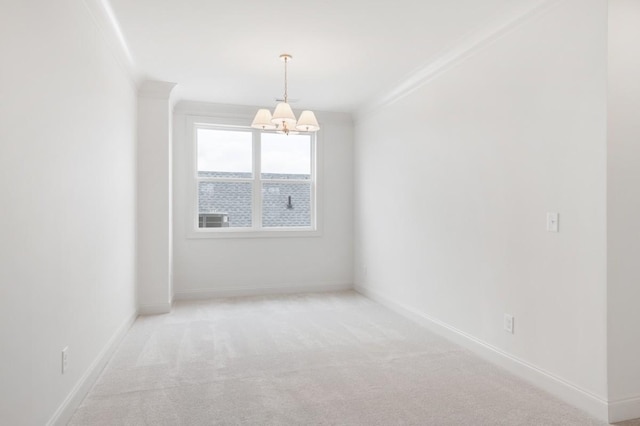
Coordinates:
321	359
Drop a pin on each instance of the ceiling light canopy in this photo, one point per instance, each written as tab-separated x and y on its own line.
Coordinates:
283	120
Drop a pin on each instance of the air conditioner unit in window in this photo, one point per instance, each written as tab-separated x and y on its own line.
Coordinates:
213	220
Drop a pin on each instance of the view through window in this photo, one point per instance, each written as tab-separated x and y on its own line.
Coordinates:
254	180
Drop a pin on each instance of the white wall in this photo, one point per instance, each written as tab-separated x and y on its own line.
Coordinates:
262	265
67	197
623	204
468	165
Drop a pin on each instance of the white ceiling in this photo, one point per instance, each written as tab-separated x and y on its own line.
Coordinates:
345	52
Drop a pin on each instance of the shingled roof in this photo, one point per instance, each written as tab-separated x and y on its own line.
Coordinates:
234	199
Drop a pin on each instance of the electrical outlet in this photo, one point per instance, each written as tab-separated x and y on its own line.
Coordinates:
508	323
553	222
65	359
365	272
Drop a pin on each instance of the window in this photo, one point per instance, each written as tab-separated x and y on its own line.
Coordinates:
252	183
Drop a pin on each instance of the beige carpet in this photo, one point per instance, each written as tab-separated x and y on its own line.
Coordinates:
322	359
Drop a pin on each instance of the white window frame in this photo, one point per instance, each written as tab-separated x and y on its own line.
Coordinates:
256	230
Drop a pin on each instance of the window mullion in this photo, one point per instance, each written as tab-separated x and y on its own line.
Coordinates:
287	181
257	190
224	180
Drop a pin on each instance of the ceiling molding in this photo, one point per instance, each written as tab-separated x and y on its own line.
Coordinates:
109	28
246	111
465	48
210	108
152	89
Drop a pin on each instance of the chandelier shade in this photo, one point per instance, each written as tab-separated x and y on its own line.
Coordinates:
283	119
284	113
307	122
263	121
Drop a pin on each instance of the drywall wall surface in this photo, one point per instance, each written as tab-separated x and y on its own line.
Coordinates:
468	166
209	266
154	197
67	196
623	202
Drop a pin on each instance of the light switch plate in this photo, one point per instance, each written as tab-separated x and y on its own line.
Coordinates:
65	359
553	222
508	323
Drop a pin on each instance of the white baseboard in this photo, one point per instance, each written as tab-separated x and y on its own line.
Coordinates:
625	409
209	293
72	401
154	309
563	389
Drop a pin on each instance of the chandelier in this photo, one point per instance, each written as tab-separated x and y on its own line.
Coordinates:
283	119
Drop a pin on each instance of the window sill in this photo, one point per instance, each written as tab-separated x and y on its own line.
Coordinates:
252	233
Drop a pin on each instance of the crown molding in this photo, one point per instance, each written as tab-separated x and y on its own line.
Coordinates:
247	111
463	49
202	108
152	89
109	27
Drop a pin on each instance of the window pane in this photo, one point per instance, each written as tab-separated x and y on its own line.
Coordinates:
224	153
286	157
286	204
224	204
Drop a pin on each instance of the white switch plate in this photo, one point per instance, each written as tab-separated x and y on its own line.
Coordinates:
553	222
65	359
508	323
